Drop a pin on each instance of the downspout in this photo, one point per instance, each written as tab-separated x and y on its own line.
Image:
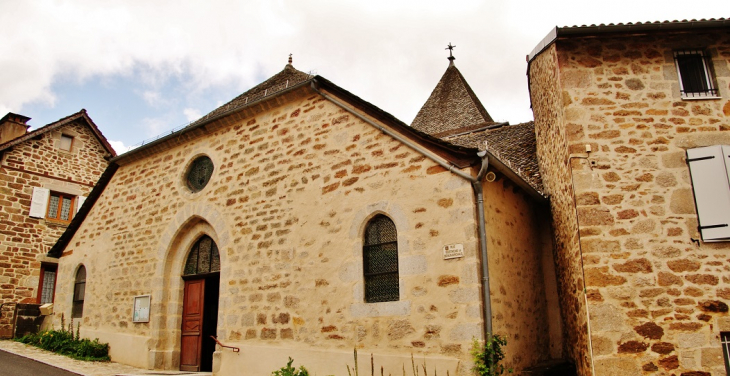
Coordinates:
476	183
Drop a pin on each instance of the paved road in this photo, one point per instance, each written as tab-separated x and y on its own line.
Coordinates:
13	365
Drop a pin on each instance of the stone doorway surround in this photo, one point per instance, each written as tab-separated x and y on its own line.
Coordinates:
191	222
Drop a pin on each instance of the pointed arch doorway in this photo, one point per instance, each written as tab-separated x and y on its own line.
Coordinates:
200	306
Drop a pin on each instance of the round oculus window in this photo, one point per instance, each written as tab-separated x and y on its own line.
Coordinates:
199	173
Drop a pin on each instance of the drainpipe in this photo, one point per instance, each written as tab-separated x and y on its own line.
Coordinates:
476	183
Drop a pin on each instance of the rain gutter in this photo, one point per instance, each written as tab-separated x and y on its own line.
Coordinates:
476	183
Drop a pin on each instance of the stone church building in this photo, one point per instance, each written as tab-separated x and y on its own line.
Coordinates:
301	221
45	176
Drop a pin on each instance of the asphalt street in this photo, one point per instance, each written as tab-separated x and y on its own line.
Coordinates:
13	365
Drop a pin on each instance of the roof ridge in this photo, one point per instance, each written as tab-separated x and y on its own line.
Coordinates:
60	122
279	81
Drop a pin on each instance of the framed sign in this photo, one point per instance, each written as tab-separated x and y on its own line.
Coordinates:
453	251
141	311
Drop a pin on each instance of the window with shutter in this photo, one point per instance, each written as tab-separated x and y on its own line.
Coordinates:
709	167
79	201
39	202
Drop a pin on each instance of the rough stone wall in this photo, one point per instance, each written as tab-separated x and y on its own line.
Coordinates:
24	241
657	295
287	205
518	287
547	104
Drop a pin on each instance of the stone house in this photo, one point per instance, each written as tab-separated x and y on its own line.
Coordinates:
301	221
45	176
630	121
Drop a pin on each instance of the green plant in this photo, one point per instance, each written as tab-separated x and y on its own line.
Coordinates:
288	370
64	342
487	357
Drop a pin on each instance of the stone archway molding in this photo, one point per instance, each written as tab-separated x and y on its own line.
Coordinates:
191	221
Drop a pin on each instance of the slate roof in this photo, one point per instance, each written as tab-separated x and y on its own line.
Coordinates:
452	105
59	123
288	77
514	145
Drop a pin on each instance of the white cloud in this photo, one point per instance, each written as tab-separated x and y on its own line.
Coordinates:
153	98
192	114
119	146
388	52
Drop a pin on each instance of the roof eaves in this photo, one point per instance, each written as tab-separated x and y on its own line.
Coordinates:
515	177
623	28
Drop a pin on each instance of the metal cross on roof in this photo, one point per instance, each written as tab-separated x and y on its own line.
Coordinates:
451	50
290	59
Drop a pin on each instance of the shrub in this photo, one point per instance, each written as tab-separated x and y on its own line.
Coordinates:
288	370
486	358
65	343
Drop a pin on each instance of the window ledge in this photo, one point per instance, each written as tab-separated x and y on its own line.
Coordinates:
399	308
56	223
699	98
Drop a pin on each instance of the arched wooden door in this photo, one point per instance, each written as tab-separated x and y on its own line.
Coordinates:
200	306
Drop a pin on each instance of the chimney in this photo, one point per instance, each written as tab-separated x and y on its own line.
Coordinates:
12	126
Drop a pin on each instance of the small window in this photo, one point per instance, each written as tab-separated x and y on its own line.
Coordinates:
695	75
77	309
47	284
66	142
60	206
199	173
380	260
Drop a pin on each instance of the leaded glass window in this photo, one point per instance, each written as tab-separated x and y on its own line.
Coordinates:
203	257
48	286
77	309
380	260
59	206
199	173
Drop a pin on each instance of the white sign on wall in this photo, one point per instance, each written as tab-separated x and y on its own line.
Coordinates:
141	309
452	251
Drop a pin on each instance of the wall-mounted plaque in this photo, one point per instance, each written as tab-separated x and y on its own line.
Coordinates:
452	251
141	309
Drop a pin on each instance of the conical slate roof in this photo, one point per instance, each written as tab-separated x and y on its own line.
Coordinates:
452	105
288	77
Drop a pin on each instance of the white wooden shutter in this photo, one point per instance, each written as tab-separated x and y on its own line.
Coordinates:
39	202
711	185
79	201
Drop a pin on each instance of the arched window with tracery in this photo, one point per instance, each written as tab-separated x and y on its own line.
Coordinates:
203	257
77	308
380	260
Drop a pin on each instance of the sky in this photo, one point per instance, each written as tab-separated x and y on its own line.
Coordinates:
145	68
